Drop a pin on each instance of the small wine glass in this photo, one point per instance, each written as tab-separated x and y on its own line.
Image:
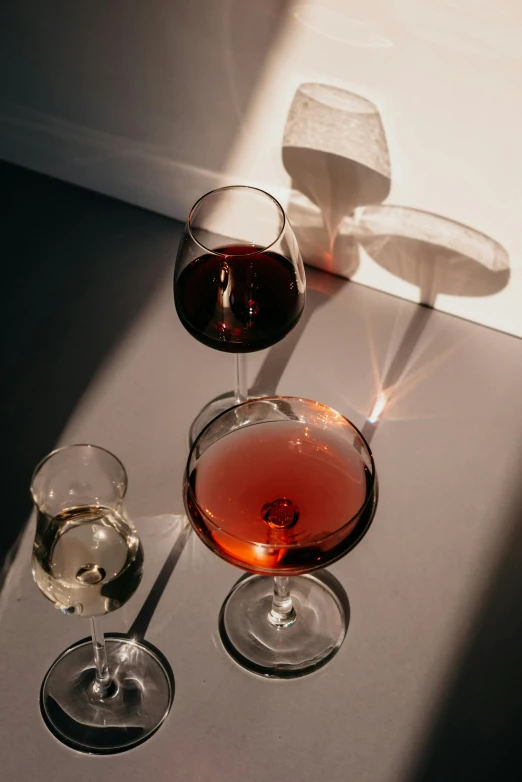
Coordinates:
280	487
239	281
112	693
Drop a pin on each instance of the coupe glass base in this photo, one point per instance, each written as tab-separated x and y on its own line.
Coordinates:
285	652
136	705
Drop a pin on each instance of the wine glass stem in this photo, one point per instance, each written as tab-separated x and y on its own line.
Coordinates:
282	613
103	679
240	385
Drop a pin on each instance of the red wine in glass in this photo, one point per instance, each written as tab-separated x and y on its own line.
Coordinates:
239	281
239	299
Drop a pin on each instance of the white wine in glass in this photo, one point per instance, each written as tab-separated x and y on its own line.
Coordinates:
108	694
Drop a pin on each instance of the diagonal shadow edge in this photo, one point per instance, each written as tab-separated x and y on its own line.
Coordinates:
142	621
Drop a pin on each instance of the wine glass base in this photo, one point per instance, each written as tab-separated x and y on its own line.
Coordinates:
137	703
285	652
212	409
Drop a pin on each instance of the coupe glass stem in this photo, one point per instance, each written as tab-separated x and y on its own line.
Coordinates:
103	680
282	613
240	385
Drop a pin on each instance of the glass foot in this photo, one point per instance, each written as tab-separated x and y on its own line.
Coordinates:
135	706
214	408
322	616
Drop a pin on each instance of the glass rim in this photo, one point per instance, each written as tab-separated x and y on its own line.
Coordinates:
236	187
317	539
62	448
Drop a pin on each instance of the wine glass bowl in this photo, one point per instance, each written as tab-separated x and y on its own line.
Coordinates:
87	557
239	281
108	694
281	487
239	298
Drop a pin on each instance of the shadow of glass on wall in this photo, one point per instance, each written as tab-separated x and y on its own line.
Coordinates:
335	150
437	255
78	269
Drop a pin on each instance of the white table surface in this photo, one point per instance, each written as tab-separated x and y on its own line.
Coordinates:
422	687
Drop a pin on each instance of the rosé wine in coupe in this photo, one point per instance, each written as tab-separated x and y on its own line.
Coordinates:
240	300
280	497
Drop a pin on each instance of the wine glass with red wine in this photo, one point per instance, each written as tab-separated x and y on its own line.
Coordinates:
281	487
239	281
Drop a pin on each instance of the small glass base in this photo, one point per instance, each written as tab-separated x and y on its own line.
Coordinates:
322	616
137	703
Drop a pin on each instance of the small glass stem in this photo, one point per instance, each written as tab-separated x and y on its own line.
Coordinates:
282	613
103	680
240	385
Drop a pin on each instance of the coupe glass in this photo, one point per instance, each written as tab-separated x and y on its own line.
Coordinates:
112	693
239	281
281	487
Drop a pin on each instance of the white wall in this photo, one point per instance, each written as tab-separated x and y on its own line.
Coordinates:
157	102
135	99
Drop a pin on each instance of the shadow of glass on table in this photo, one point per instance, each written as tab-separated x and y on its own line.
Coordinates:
438	256
298	589
320	288
104	738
